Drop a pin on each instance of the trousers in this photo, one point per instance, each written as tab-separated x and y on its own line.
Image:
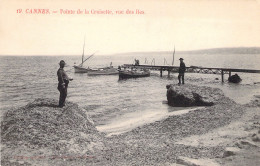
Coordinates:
181	78
63	95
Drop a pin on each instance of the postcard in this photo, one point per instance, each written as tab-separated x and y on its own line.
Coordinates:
141	82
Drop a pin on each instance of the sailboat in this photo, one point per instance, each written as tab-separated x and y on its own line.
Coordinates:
79	68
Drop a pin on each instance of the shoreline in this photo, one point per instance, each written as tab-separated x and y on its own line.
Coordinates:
160	141
120	128
201	135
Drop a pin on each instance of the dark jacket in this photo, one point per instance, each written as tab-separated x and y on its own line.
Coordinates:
62	77
182	67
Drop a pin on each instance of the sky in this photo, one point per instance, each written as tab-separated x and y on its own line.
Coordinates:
165	24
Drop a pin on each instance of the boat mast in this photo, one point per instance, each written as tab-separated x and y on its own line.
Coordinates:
88	58
83	51
173	56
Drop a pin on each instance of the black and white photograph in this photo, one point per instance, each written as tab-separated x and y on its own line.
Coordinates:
130	83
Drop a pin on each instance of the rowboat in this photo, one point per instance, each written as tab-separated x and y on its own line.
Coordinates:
103	71
124	74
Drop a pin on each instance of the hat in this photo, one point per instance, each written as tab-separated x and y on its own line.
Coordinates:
181	59
62	61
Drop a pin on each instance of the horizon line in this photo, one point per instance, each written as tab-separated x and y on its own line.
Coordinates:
204	49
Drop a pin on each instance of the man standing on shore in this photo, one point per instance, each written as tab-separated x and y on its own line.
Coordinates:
181	71
63	83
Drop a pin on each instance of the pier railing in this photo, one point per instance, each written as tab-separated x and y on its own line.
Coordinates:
193	69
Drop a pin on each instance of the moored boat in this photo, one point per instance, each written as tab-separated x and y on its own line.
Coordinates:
124	74
103	71
80	69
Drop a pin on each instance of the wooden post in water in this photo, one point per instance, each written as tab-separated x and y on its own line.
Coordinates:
229	73
168	73
222	75
161	72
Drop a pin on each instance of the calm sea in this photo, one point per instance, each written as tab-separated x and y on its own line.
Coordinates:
117	106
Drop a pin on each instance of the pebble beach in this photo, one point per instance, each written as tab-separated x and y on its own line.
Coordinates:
199	136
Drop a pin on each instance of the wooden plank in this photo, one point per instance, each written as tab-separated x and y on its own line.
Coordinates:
224	70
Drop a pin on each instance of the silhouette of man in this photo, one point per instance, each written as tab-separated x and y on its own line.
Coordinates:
63	83
182	69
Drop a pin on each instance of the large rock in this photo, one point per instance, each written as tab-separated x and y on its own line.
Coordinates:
234	79
41	129
191	95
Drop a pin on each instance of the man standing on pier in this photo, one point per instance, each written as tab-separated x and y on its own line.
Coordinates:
182	69
63	83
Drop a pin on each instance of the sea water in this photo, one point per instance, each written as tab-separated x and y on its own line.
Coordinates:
119	105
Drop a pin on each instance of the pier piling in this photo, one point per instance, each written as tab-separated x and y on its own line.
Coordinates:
194	69
222	75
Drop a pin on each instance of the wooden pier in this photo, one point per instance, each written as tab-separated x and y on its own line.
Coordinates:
193	69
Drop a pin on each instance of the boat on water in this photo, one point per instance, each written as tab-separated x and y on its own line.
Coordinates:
80	68
103	71
134	73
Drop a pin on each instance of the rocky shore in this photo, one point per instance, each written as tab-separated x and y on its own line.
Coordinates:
41	133
220	133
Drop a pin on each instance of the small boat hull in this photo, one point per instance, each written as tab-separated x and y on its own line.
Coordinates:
133	74
103	71
79	69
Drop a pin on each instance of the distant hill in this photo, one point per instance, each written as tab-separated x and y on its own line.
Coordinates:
235	50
